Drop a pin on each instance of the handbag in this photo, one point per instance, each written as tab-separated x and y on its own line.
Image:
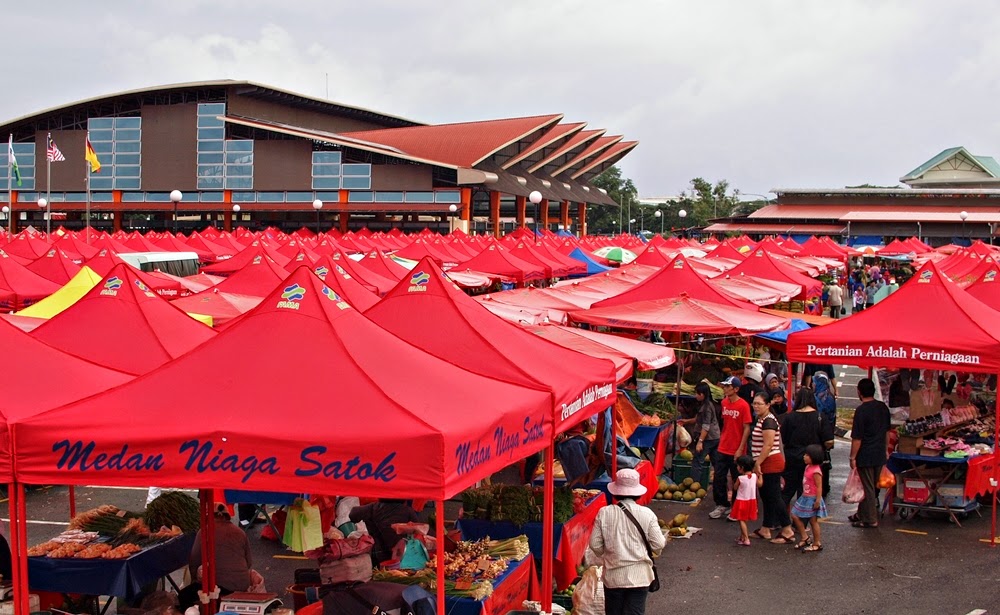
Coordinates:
843	310
655	585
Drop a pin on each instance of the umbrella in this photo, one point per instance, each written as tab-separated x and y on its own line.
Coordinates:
616	254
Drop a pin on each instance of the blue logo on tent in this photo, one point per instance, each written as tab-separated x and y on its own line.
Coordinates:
113	283
321	271
293	293
420	278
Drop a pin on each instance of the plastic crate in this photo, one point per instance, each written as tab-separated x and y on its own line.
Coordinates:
564	601
682	470
953	496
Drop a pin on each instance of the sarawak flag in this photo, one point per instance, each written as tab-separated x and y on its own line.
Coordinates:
91	156
12	161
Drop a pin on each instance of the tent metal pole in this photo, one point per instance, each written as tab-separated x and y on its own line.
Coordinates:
548	521
439	553
993	479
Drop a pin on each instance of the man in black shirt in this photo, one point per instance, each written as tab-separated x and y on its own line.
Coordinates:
869	442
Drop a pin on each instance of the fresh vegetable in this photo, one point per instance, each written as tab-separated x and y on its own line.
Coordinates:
174	508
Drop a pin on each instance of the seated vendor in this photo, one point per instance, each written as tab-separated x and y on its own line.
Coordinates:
379	518
233	561
947	404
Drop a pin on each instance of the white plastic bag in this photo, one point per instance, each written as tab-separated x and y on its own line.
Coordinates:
588	599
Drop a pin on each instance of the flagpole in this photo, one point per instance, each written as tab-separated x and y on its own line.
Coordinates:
10	190
48	189
86	166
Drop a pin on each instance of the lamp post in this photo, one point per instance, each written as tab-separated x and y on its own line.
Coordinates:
631	221
175	197
43	203
659	214
317	205
451	217
6	211
236	209
535	197
963	215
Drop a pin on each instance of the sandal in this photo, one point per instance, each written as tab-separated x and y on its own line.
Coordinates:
854	518
813	549
783	540
864	524
802	544
757	532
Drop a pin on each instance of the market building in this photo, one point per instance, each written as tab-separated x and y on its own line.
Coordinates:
243	153
952	198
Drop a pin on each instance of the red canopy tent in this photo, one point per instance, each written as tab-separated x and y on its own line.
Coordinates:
382	284
26	246
620	350
123	325
423	442
75	248
491	346
383	265
19	286
681	314
986	287
670	281
420	248
496	259
344	284
762	265
257	278
140	243
252	253
55	267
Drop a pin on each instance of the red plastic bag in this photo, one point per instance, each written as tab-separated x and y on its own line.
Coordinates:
886	480
278	519
854	492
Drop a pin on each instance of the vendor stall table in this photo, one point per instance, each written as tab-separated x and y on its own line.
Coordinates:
510	589
652	443
569	539
123	578
918	490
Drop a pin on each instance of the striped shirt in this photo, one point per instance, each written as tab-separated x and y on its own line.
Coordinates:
617	543
757	437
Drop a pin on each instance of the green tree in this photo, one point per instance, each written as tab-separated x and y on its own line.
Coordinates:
603	219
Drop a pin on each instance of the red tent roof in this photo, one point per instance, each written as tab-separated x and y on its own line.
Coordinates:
124	325
420	248
760	264
224	308
344	284
104	262
682	314
32	371
382	284
75	248
897	248
26	245
497	260
257	278
670	281
986	287
467	334
19	286
55	267
929	322
314	409
622	351
383	265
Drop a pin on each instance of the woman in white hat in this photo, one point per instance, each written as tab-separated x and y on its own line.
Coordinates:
625	539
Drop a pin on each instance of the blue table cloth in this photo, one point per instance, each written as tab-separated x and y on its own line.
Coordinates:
455	605
110	577
896	465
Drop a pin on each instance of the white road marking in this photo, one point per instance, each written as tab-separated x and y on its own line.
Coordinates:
41	522
977	612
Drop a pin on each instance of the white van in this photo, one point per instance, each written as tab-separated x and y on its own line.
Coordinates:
181	264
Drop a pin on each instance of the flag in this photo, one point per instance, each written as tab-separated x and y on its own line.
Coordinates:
52	153
12	161
91	156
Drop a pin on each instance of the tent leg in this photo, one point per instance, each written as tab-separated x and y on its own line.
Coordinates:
15	545
72	501
439	553
22	558
993	480
207	548
548	520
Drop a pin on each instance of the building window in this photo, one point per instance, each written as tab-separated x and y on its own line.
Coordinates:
25	155
211	197
244	197
419	197
329	172
356	183
118	144
361	197
221	163
447	196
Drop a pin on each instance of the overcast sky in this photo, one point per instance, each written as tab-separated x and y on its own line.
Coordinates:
764	94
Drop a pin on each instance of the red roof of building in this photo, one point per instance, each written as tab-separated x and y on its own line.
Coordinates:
465	144
591	150
610	156
554	134
786	228
578	142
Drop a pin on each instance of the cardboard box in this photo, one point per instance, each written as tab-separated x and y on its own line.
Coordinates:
952	495
909	445
919	408
7	606
930	452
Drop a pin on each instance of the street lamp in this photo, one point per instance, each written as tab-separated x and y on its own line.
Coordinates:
317	205
43	203
631	221
963	215
236	209
6	212
659	214
451	217
535	197
175	197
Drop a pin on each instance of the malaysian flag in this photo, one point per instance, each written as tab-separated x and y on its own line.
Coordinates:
52	153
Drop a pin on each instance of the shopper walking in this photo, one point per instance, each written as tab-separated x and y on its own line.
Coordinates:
810	506
736	419
708	432
622	539
869	442
835	299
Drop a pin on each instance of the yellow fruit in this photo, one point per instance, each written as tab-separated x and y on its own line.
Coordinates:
663	484
686	455
701	493
678	496
688	496
677	531
688	482
695	486
678	520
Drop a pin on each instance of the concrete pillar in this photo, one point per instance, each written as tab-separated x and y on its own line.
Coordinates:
344	218
495	213
520	204
465	215
564	214
227	220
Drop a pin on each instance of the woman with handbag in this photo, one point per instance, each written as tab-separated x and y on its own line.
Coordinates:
769	463
801	428
625	540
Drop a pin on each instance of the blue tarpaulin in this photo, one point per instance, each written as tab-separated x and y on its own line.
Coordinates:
592	265
782	336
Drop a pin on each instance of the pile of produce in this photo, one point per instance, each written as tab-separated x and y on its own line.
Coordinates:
687	491
469	570
676	526
174	508
657	406
521	504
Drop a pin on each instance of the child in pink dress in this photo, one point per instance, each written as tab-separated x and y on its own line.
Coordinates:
745	506
810	506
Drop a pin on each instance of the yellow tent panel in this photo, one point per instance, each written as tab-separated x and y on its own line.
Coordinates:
66	296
